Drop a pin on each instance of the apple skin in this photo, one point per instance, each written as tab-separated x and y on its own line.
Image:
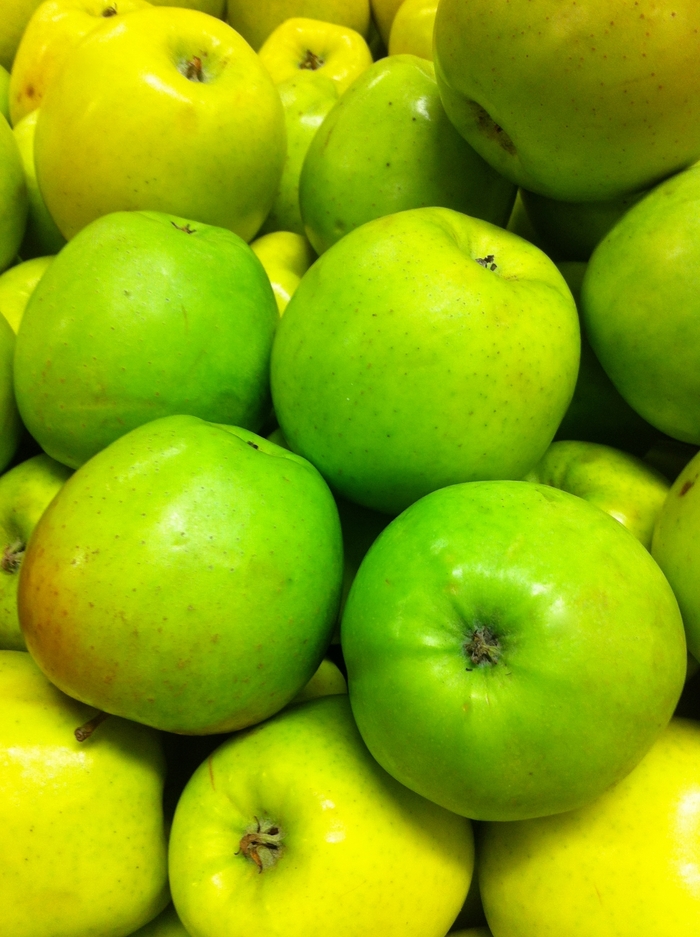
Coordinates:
142	315
625	865
25	493
41	235
387	146
308	771
368	364
578	102
15	16
618	483
639	305
256	21
83	827
167	924
286	256
383	13
412	28
511	650
676	547
187	577
125	128
4	93
13	197
17	285
10	423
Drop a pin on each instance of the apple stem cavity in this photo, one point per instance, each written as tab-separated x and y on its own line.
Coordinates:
192	69
12	556
83	732
262	843
109	11
483	647
311	61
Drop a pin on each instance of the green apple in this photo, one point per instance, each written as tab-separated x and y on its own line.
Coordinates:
511	650
10	423
17	285
306	98
187	576
618	483
286	256
167	924
383	13
640	307
15	16
84	844
625	865
388	146
300	44
255	21
25	493
327	681
41	235
578	102
49	41
4	93
142	315
676	547
13	196
166	109
292	828
412	29
423	349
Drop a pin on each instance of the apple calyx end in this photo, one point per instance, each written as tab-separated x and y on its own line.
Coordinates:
262	843
483	647
12	556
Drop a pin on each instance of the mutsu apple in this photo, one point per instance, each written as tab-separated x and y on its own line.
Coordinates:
84	839
284	830
166	109
17	285
15	16
144	314
424	348
412	28
255	22
512	650
13	196
188	577
41	235
286	256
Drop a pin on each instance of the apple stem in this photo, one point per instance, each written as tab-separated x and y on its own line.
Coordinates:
193	69
262	843
12	556
84	731
311	61
483	647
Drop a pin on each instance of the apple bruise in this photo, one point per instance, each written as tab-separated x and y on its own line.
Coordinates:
12	557
489	128
262	843
483	647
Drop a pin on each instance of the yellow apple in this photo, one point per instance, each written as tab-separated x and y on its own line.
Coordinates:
412	29
13	196
41	234
301	44
47	43
383	13
327	681
4	93
165	109
255	21
286	257
212	7
15	16
16	286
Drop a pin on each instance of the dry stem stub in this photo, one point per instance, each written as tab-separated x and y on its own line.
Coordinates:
483	647
262	843
12	556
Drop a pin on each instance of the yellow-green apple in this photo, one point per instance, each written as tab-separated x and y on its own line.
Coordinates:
48	42
306	98
167	924
15	16
327	681
4	93
412	28
284	828
388	146
25	493
578	102
286	256
627	864
618	483
300	44
676	547
13	196
187	576
84	844
212	7
16	286
383	13
144	314
423	349
256	21
641	306
41	235
511	650
166	109
10	423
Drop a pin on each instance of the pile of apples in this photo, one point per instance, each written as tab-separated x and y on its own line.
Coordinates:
349	507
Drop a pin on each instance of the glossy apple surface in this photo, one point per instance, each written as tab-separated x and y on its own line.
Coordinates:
13	196
256	21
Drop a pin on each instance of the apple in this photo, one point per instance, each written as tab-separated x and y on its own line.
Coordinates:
187	576
15	16
423	349
84	844
511	650
215	8
167	924
13	196
618	483
626	865
676	547
327	681
144	314
17	285
25	493
578	102
4	93
48	43
383	13
255	22
412	28
286	256
639	302
166	109
300	44
41	235
285	829
10	423
388	146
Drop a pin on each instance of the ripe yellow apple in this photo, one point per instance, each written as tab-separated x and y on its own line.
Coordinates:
412	29
16	286
255	21
383	13
286	257
15	16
